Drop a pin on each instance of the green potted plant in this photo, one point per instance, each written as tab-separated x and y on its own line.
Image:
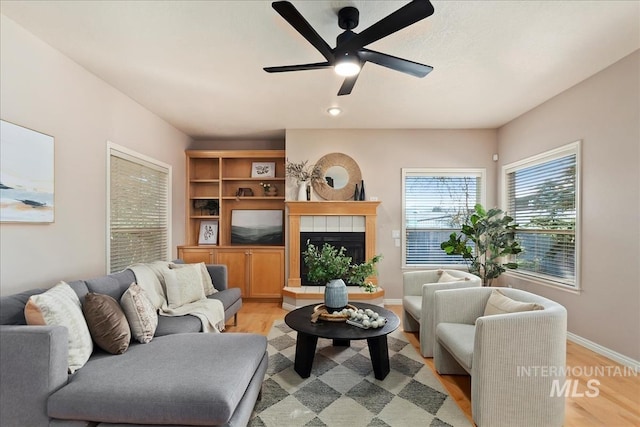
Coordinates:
493	235
332	267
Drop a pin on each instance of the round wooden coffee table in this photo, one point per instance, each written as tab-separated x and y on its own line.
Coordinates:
341	333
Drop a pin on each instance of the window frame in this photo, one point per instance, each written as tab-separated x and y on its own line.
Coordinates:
573	148
131	155
437	172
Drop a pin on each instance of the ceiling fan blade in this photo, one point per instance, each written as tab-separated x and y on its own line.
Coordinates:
401	18
403	65
301	67
347	85
297	21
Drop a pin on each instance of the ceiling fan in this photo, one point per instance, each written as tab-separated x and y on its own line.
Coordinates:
350	54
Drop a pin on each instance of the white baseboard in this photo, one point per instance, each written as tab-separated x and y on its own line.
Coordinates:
392	301
613	355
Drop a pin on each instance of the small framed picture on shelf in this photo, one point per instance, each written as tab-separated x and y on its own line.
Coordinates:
208	233
263	169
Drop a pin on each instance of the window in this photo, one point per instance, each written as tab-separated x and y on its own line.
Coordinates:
138	201
541	194
435	203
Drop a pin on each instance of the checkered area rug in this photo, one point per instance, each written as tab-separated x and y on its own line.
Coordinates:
342	389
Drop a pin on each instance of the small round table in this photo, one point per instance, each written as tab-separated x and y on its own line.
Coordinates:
341	333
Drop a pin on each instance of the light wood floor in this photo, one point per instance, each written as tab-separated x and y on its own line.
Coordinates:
618	402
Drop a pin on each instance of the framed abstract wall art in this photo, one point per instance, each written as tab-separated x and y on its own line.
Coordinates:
26	175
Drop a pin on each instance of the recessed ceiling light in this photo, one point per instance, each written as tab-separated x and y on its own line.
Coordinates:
334	111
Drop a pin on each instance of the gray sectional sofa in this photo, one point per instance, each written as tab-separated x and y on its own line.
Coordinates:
180	378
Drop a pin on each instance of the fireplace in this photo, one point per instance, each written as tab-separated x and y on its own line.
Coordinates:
353	242
327	217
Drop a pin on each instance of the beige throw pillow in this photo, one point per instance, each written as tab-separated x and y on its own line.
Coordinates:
207	283
184	285
499	303
446	277
140	313
60	306
107	323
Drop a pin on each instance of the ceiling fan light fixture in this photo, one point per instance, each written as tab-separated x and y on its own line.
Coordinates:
334	111
347	66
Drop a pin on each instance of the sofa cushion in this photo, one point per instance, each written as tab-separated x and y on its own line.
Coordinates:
60	306
183	285
12	307
498	303
207	283
445	277
113	285
458	339
107	323
140	312
413	304
228	297
168	325
201	377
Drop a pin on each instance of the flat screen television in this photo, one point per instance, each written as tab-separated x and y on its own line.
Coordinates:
257	227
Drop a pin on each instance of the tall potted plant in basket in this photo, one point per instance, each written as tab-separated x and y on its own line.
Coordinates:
331	266
493	235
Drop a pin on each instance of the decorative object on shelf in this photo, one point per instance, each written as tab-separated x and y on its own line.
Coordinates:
305	175
493	235
362	195
28	192
302	191
208	233
356	194
257	227
263	169
332	267
244	192
309	192
339	175
364	319
269	189
209	205
320	311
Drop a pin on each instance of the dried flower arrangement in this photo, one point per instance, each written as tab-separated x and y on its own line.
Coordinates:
302	171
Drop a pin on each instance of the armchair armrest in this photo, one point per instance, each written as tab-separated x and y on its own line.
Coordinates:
427	315
516	356
33	364
219	276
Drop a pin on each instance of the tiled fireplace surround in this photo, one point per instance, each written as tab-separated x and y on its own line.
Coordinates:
329	216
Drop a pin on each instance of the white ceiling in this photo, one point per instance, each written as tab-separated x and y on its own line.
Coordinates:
198	64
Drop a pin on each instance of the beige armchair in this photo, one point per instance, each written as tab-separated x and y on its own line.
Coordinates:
516	360
417	301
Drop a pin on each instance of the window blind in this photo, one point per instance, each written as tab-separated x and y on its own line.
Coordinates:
435	204
138	208
542	199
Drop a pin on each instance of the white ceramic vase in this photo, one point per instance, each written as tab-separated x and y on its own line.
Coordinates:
302	191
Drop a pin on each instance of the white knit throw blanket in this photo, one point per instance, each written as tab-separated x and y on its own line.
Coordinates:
150	278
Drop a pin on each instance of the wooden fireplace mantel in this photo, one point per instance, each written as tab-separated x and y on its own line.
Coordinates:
295	210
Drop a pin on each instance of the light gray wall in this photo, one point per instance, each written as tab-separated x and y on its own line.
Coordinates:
381	154
42	89
602	111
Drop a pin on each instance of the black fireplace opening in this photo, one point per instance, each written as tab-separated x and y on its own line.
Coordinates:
353	242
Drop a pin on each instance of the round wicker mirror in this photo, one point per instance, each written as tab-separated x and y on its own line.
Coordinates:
342	172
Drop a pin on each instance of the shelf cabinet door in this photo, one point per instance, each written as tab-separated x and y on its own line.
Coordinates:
196	255
267	273
236	261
